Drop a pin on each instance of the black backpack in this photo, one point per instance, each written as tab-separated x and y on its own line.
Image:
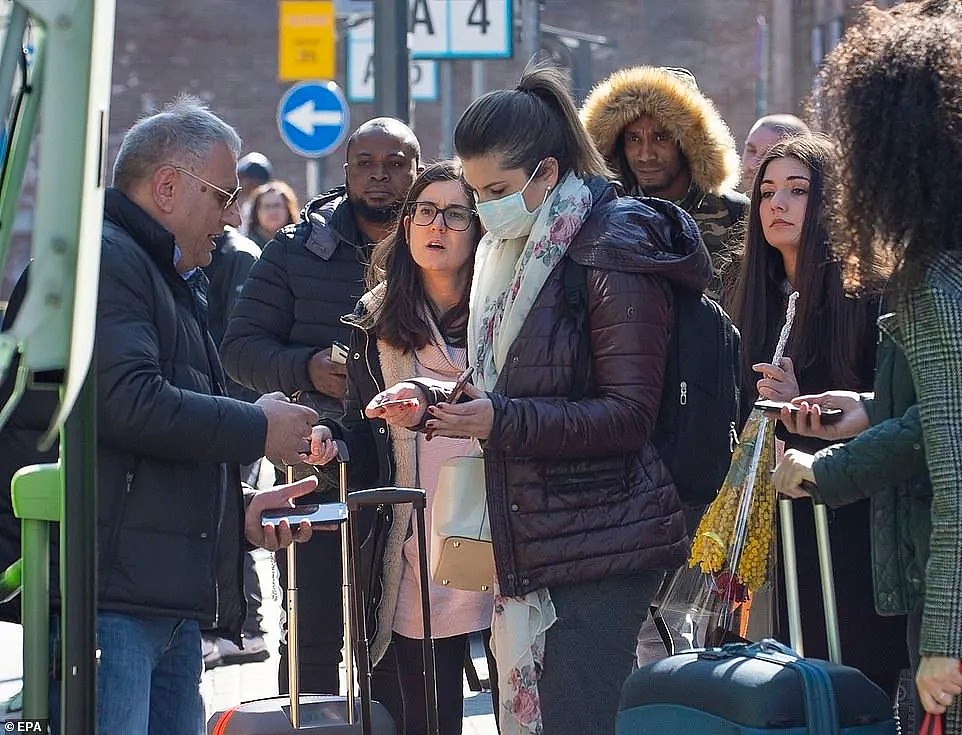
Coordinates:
696	429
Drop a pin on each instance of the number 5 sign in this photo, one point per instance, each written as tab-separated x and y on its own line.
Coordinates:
459	29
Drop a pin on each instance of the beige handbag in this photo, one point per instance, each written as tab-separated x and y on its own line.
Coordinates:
461	552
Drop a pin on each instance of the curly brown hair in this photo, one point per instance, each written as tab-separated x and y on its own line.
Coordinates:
889	94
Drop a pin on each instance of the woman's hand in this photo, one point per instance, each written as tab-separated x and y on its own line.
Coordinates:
400	405
474	418
778	382
939	682
794	469
807	421
323	448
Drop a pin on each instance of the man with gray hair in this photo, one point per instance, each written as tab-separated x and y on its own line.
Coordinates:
172	515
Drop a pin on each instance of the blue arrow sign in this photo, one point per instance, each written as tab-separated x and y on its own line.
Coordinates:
313	118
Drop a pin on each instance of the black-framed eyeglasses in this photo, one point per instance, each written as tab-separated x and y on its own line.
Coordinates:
455	217
228	197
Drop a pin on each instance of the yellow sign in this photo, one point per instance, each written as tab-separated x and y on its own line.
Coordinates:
305	40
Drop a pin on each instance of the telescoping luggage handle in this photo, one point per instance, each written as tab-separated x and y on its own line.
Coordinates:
293	643
416	497
826	573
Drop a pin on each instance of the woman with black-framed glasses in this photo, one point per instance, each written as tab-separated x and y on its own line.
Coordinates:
413	323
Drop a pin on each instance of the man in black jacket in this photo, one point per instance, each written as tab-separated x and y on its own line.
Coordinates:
229	266
171	514
280	334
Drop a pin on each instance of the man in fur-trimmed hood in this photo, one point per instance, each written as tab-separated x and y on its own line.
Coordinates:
666	139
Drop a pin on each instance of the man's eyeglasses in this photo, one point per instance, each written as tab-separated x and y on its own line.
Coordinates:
455	217
228	197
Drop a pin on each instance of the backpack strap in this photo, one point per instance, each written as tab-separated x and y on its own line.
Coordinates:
576	296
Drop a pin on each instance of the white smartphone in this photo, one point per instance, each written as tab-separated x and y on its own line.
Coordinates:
317	513
339	353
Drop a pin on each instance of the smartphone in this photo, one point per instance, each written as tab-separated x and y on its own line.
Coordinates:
410	402
828	415
462	381
317	513
338	353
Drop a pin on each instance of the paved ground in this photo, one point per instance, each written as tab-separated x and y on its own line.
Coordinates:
227	685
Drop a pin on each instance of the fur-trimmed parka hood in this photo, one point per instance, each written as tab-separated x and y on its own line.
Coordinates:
671	96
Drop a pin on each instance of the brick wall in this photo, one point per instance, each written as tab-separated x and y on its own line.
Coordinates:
225	52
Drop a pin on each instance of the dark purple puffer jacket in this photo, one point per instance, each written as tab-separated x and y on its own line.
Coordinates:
576	490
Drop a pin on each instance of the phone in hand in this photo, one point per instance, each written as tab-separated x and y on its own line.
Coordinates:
339	353
409	402
318	514
459	386
828	415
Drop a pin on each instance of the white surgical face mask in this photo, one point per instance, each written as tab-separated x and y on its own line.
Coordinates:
508	217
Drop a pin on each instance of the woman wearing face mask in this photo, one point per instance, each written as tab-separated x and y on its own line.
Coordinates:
584	515
413	322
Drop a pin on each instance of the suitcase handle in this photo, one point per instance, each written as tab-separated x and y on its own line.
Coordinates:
386	496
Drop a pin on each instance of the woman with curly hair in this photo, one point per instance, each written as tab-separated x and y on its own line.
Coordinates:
832	344
890	95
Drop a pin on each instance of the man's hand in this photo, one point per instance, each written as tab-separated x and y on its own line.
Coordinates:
778	382
807	420
327	377
939	683
277	537
794	469
288	428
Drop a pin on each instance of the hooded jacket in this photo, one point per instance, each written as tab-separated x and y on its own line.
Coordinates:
576	490
671	96
307	278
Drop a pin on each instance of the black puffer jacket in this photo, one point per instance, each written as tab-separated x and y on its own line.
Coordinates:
576	490
307	278
170	504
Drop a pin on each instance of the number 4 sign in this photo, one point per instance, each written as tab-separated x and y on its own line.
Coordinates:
459	29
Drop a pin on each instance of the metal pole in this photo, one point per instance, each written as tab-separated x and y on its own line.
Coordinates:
78	529
531	28
780	40
790	564
478	84
293	642
447	108
827	573
392	93
315	171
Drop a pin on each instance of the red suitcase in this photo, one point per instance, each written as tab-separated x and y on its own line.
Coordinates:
328	713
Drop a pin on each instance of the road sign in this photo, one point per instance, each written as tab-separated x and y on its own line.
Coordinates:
360	69
460	29
313	118
305	40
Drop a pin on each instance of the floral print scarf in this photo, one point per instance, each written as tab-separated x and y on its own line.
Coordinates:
508	276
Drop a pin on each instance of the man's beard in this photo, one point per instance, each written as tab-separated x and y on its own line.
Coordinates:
377	215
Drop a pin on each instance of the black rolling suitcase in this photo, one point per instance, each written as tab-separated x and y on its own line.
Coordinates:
328	713
742	689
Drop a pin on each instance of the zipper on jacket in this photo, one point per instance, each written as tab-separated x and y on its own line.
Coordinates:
683	395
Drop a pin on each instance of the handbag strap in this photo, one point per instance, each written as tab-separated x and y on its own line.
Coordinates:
931	724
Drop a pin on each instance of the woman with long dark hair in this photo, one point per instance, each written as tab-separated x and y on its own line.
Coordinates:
413	324
897	220
832	345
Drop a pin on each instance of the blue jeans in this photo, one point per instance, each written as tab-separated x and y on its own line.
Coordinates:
148	678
